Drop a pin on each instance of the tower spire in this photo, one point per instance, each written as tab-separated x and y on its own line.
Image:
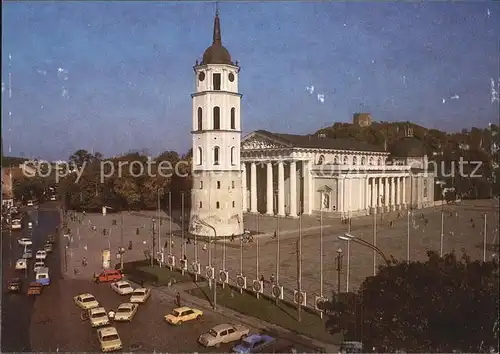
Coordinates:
217	35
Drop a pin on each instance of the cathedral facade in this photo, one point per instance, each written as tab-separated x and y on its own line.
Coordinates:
283	174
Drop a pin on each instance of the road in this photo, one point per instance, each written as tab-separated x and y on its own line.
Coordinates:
17	309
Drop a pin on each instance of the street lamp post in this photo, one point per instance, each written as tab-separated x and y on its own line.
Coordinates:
339	267
349	237
153	222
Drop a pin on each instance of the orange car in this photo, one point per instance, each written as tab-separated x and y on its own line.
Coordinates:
108	276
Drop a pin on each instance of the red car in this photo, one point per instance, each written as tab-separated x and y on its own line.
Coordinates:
108	276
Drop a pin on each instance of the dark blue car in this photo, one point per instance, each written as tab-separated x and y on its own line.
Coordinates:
253	343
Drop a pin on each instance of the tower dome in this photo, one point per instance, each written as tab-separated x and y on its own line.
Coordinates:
216	53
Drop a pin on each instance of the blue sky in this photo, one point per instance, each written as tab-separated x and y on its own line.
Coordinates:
115	76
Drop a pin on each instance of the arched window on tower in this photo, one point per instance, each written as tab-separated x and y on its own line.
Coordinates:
200	155
216	155
363	160
233	160
216	118
233	118
354	160
200	118
346	160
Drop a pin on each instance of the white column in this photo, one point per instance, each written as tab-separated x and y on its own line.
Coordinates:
281	189
403	184
373	204
308	197
379	191
347	195
393	193
340	195
293	189
269	195
367	193
253	188
361	193
244	186
386	192
398	192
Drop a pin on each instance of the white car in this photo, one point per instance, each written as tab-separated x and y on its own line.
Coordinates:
16	225
53	198
38	265
21	264
41	254
98	317
25	241
126	312
30	225
29	203
109	339
122	287
86	301
140	295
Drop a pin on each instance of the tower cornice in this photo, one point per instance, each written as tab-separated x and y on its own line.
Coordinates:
196	94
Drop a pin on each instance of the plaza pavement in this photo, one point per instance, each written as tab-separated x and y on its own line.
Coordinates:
458	234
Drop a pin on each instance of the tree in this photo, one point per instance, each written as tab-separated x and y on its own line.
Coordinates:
440	305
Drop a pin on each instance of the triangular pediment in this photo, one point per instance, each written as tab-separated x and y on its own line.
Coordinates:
325	189
261	141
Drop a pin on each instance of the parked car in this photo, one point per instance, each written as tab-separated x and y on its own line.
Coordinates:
98	317
140	295
183	314
14	285
224	333
41	255
16	225
126	312
122	287
86	301
38	265
29	203
48	247
253	344
35	288
21	264
25	241
109	339
108	275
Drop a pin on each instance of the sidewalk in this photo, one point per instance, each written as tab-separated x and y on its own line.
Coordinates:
230	314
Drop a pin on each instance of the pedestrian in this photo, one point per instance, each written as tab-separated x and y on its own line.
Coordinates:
275	234
391	223
272	279
232	237
188	241
178	299
204	247
84	261
185	258
172	243
262	279
111	315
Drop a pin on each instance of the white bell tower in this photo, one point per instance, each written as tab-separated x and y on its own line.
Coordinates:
216	198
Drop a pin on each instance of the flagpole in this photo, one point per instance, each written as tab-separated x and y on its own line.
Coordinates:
320	257
257	260
484	239
375	242
170	225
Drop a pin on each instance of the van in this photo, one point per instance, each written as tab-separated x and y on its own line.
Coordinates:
42	276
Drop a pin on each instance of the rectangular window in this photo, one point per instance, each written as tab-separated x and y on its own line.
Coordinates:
216	79
232	184
233	203
218	184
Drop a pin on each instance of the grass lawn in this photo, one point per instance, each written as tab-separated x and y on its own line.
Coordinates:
284	314
142	270
165	275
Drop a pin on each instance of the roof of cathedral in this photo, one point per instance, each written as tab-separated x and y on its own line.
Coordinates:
216	53
408	146
317	142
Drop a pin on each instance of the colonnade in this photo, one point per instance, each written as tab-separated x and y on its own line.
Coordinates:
269	165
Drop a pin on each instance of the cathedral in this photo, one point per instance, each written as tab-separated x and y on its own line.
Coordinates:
287	175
